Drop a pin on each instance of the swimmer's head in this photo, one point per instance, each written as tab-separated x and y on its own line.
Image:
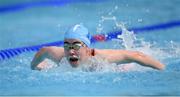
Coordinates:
76	45
79	32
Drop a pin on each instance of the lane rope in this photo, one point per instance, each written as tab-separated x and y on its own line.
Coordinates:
23	6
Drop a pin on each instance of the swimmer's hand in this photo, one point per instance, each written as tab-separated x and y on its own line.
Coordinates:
41	66
145	60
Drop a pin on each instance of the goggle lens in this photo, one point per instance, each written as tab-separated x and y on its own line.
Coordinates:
76	46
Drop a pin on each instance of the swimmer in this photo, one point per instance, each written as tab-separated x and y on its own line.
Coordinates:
77	51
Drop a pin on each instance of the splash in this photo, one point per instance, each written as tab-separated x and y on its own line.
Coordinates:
127	37
95	64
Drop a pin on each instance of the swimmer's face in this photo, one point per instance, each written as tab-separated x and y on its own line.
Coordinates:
75	51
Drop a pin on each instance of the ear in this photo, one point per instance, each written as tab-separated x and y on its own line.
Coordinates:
88	51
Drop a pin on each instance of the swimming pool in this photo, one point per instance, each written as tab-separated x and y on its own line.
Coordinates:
35	22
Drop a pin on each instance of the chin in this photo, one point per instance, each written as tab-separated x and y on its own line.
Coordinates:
74	64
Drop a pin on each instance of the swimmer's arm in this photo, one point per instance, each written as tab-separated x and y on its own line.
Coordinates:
53	53
124	56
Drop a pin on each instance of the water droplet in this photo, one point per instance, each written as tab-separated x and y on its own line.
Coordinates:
116	7
140	20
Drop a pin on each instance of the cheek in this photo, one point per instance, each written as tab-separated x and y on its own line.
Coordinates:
69	53
65	53
83	54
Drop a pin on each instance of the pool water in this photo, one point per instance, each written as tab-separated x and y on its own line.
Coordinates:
46	21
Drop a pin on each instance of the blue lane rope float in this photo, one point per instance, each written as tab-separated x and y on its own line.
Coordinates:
9	53
22	6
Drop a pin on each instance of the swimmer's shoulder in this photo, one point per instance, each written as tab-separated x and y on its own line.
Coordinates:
56	48
53	51
108	51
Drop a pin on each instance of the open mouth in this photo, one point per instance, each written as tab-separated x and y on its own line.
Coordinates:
73	59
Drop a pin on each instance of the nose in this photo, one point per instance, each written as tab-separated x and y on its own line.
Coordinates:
71	52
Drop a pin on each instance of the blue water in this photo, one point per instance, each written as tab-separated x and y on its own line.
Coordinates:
43	23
